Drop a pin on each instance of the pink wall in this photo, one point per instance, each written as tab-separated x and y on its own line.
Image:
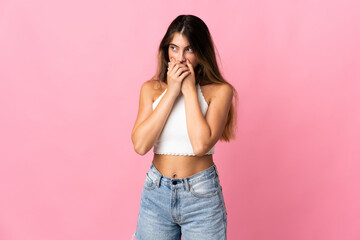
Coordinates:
70	76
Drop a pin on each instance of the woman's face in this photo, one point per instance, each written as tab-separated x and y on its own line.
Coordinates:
180	50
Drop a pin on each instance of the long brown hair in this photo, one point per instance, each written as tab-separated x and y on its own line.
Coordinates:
207	70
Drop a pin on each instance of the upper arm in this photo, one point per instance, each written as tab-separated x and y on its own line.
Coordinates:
145	103
218	111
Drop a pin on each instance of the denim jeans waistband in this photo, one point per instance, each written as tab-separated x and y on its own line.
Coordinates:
205	174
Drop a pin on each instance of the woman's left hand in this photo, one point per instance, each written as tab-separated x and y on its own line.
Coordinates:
189	81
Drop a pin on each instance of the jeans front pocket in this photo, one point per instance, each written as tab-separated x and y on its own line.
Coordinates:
149	183
205	188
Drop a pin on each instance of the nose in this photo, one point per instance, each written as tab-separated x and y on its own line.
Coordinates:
181	57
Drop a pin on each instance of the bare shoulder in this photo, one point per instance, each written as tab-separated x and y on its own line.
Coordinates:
217	90
152	88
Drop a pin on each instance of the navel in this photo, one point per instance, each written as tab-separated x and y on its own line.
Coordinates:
174	175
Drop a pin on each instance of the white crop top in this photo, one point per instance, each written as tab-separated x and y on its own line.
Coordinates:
174	138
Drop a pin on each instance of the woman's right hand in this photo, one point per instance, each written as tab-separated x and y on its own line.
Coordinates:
176	73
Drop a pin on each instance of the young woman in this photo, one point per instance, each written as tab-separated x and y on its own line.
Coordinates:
184	110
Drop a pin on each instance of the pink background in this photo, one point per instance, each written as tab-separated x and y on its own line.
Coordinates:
70	76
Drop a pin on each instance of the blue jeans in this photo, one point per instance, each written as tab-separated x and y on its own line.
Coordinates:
191	207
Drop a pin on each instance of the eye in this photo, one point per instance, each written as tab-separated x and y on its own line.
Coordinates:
189	49
173	48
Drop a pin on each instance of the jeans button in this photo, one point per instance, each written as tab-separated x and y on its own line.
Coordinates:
174	182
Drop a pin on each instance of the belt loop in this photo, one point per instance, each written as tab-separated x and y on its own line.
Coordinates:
187	184
158	181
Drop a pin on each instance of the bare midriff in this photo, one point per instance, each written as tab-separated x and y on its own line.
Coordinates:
178	166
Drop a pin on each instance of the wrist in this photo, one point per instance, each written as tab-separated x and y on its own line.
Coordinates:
188	89
172	93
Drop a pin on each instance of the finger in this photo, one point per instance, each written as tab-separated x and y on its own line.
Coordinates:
174	68
170	66
188	63
181	65
180	70
184	75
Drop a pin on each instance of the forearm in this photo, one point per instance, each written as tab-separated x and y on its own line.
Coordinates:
146	133
198	129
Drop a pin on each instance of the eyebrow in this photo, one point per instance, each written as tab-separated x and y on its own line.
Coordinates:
178	46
